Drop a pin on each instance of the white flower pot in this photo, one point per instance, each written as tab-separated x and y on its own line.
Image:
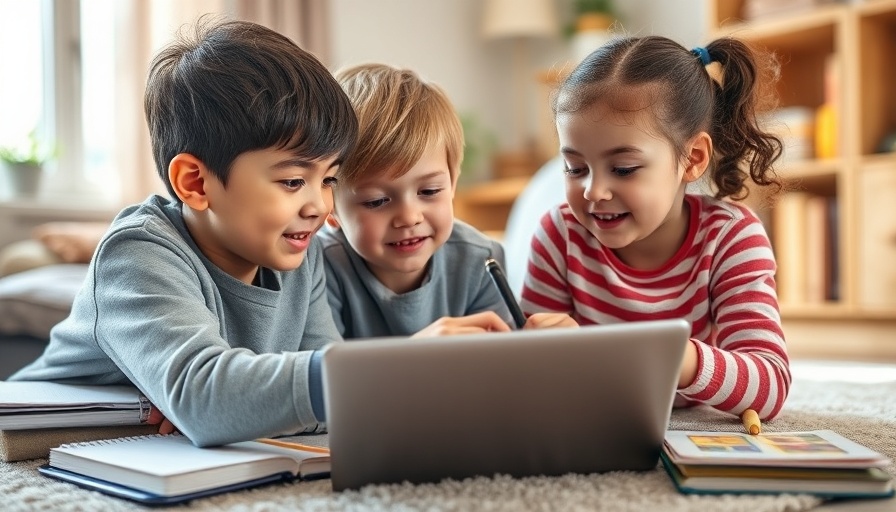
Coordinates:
23	178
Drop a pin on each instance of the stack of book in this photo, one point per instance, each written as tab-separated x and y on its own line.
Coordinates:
818	462
37	416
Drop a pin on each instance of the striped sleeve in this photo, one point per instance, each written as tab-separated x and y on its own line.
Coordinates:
746	364
546	287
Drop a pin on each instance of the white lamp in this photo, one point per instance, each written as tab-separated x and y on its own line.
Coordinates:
519	20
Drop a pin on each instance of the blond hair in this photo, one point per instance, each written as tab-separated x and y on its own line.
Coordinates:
399	116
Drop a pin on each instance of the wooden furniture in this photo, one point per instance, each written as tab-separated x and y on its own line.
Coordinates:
487	205
852	44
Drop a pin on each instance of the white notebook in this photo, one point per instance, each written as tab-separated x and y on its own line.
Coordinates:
34	404
172	466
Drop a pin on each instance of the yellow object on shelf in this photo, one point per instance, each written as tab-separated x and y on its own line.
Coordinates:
826	132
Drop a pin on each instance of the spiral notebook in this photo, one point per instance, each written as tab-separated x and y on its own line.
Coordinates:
163	470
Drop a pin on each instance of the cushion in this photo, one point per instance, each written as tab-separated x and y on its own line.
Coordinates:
33	301
72	242
25	255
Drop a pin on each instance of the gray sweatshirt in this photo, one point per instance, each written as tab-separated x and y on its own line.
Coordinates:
456	284
223	360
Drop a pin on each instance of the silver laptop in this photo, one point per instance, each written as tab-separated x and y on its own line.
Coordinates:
533	402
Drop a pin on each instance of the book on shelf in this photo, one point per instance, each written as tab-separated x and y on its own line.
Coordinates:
35	404
819	462
789	243
167	469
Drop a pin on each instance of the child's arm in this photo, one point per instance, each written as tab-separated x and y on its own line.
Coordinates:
747	366
160	324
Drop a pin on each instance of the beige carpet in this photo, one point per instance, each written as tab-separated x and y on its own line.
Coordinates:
865	412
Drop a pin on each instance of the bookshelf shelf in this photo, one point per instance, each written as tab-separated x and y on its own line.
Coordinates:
834	267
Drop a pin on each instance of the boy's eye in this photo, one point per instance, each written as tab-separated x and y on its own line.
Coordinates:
330	181
375	203
293	184
624	171
430	191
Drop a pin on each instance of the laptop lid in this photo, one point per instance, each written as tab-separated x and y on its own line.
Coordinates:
533	402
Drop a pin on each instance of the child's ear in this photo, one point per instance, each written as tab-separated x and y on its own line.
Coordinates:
332	221
698	157
187	175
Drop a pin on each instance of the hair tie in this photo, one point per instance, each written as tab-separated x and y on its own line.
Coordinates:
703	53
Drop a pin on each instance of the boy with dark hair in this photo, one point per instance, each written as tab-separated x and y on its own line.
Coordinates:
213	303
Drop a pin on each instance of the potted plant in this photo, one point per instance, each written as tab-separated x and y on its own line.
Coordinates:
590	27
593	15
24	164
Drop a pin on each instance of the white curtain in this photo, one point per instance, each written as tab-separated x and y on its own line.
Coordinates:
144	26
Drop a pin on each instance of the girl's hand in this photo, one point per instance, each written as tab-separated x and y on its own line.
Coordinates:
156	418
485	321
549	321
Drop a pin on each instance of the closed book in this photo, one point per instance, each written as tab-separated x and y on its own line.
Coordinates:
812	448
160	469
16	445
819	462
825	482
34	404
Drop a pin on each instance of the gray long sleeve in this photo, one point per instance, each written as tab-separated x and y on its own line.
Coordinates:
223	360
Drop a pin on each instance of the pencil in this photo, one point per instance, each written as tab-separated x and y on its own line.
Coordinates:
751	422
293	446
497	275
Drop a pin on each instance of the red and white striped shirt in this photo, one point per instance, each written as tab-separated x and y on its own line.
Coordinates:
721	280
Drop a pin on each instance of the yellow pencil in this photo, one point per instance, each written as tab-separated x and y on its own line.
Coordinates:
751	422
293	446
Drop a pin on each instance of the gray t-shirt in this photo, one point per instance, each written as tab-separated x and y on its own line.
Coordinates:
225	361
456	284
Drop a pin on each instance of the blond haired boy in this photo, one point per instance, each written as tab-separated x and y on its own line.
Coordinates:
398	263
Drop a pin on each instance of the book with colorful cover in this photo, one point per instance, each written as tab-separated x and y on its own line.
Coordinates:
819	462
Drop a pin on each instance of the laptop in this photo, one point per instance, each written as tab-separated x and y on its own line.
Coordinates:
521	403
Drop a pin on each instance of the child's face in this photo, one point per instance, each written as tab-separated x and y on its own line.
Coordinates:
624	183
273	204
397	224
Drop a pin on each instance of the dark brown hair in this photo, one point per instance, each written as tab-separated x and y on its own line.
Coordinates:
686	100
236	86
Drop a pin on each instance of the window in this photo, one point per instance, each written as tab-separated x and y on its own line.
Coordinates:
57	76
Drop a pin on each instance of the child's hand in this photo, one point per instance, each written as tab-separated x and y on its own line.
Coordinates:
549	321
156	418
486	321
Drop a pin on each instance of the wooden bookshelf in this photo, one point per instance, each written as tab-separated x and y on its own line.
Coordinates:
857	40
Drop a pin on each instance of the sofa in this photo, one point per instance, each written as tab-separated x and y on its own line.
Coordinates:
36	292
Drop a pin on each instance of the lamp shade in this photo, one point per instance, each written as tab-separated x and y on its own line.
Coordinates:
519	18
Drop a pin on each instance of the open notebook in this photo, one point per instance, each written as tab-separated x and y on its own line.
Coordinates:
160	469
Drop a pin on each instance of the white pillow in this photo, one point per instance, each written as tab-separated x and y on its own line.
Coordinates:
546	190
33	301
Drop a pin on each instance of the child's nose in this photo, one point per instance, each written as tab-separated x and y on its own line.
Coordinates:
315	204
598	190
409	214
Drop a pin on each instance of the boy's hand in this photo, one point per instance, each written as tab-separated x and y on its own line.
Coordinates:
549	321
156	418
485	321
